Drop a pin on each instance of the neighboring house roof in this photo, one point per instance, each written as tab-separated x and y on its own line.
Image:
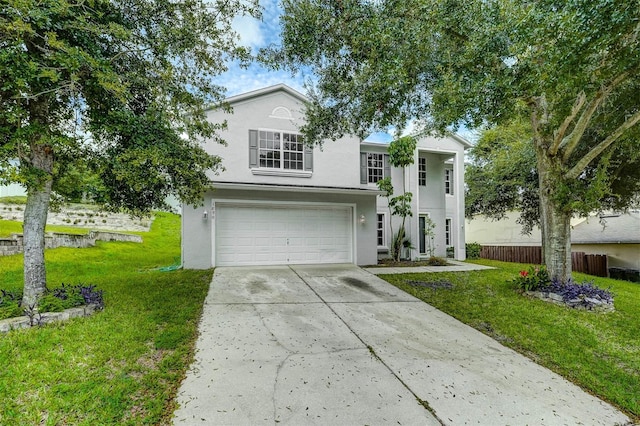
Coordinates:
615	228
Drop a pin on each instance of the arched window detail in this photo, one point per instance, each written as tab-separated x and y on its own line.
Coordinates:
281	112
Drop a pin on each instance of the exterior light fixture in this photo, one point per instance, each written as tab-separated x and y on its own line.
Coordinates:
362	219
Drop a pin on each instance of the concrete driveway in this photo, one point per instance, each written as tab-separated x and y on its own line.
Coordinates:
337	345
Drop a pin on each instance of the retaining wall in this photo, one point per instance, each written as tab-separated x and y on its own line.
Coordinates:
15	244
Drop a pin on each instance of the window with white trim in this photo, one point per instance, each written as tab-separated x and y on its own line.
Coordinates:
422	171
380	228
280	150
375	167
448	181
447	232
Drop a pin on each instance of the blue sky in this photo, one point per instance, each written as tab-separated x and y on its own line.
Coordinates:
257	34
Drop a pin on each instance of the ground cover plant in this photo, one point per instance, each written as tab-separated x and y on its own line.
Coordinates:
120	366
597	351
53	300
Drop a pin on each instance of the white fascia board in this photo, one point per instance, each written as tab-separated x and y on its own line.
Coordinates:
293	188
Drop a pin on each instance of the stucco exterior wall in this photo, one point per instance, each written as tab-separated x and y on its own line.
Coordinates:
198	232
618	255
267	112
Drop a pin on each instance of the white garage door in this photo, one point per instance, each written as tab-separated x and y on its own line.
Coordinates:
280	235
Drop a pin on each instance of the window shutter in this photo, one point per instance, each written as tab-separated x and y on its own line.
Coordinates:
308	158
363	167
387	166
253	148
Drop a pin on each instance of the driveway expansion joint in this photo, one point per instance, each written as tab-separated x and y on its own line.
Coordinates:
371	350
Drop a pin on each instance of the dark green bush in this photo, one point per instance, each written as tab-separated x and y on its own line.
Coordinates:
473	250
50	303
10	310
437	261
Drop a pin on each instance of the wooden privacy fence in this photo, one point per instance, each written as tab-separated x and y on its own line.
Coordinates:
592	264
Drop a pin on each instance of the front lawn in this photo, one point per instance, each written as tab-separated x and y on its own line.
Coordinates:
599	352
120	366
8	227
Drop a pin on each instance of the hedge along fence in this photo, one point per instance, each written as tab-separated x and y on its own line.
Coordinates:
592	264
15	244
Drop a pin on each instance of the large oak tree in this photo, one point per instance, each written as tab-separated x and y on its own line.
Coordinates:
114	87
570	68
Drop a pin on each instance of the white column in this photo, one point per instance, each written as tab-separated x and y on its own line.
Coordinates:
458	219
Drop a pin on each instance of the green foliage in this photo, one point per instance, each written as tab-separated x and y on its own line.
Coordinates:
14	200
450	252
386	186
50	303
401	151
113	114
10	310
532	279
473	250
436	261
401	205
501	175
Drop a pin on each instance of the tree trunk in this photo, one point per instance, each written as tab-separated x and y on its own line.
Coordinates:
555	220
35	219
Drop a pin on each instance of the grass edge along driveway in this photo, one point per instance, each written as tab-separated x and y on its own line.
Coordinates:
121	366
598	352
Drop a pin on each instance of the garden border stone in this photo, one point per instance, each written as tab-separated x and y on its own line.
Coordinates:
17	323
587	304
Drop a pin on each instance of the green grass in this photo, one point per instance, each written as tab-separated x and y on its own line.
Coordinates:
14	199
599	352
8	227
119	366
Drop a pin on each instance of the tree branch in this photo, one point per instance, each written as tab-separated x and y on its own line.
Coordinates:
571	141
559	136
598	149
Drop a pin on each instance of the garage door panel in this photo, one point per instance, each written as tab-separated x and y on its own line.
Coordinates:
267	235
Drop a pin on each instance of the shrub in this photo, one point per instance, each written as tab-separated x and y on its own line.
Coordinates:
54	300
473	250
10	310
533	279
436	261
50	303
451	252
572	291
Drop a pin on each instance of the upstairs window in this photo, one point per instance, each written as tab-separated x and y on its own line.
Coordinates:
422	171
278	150
448	181
374	167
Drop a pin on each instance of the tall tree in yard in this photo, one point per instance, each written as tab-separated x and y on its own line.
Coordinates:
569	68
116	85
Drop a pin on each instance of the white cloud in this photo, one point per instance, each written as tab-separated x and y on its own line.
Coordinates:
250	31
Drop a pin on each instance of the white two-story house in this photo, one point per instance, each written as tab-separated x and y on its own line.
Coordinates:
279	201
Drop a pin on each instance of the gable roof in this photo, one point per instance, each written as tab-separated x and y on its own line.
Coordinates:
266	91
615	228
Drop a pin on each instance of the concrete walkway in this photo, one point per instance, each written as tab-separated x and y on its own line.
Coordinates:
337	345
454	266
